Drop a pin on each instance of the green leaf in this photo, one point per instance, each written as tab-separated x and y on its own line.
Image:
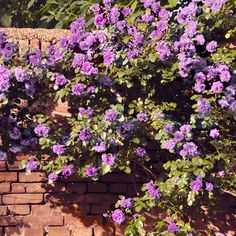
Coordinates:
173	3
30	4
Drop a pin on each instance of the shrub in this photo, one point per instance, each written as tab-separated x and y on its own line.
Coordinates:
144	75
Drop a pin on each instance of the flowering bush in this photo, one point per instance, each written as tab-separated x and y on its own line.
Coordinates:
145	75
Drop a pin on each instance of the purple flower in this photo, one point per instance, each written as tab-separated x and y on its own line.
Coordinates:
200	77
77	25
111	115
88	111
77	89
118	216
200	39
58	149
101	147
225	76
91	171
8	51
95	8
32	165
173	228
199	87
84	134
221	173
203	106
108	58
169	127
211	46
189	150
108	159
163	49
3	155
14	133
21	75
153	191
3	37
178	136
78	60
217	87
101	37
209	187
185	129
196	185
4	78
53	176
68	170
126	203
60	80
88	69
140	152
126	11
215	5
35	58
164	14
114	15
99	20
169	144
127	126
142	117
147	18
215	133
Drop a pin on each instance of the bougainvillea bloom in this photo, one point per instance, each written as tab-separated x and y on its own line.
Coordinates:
68	170
118	216
32	165
196	185
41	130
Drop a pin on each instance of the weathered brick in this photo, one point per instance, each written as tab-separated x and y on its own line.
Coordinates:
118	188
11	220
82	231
8	176
19	210
99	209
66	198
17	188
55	187
36	230
46	220
100	198
45	209
45	45
97	187
14	165
1	231
56	231
2	165
34	188
34	43
18	231
3	211
76	187
23	46
104	231
22	198
33	177
4	187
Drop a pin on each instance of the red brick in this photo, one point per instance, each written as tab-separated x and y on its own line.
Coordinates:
1	231
3	211
55	188
4	187
22	198
118	188
2	165
119	178
56	231
104	231
11	220
97	187
34	230
82	231
33	177
34	43
14	165
45	220
18	231
45	45
19	210
45	209
100	198
23	46
99	209
89	221
8	176
17	188
65	198
76	187
34	188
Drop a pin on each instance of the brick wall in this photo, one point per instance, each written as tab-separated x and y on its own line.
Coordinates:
29	206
